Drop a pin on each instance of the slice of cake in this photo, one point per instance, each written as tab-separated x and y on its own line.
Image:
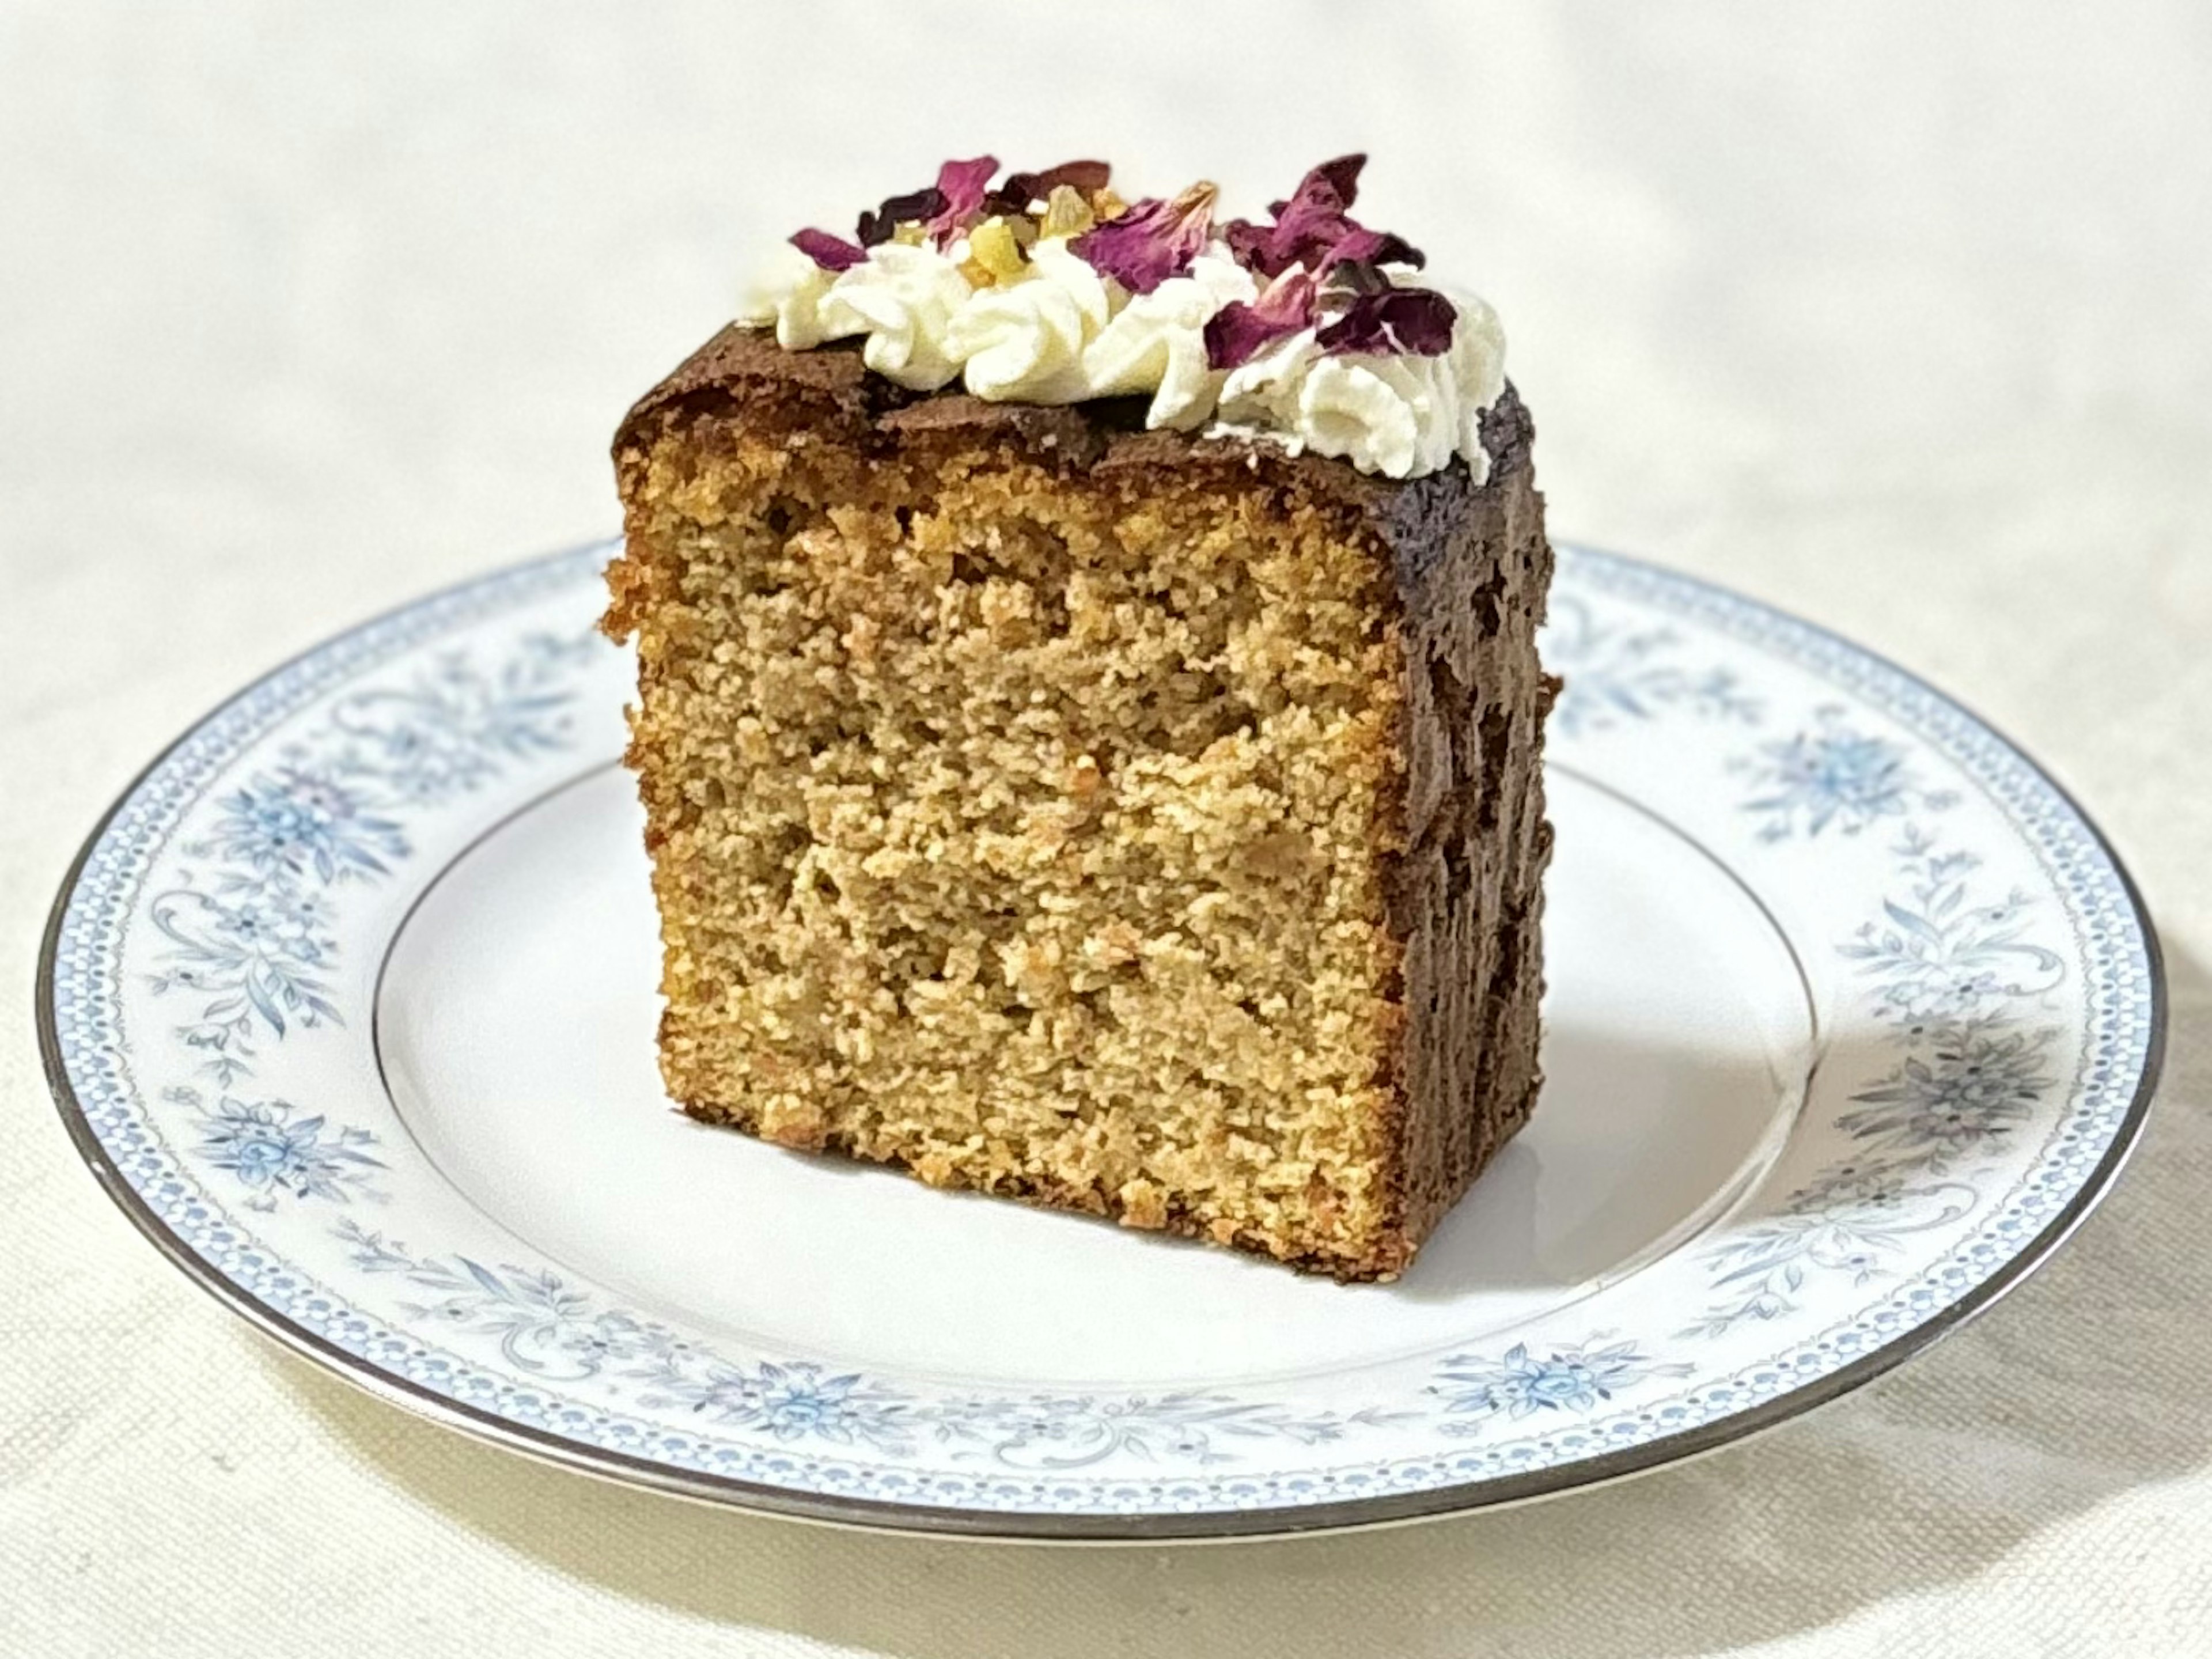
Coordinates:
1089	720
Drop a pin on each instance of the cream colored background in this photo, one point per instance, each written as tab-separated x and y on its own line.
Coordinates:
1899	315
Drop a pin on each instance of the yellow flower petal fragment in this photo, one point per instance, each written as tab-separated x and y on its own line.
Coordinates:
1065	213
992	246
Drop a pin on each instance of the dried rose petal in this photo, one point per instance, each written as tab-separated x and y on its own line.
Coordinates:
1400	321
831	252
1023	191
1307	224
963	185
917	205
1235	333
1332	187
1315	228
1249	245
1377	247
1152	241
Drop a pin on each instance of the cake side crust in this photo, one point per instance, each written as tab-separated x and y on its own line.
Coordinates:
1474	571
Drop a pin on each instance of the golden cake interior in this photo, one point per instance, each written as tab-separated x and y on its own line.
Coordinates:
1024	826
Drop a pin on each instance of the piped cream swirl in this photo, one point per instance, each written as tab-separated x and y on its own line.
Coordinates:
1062	333
1024	341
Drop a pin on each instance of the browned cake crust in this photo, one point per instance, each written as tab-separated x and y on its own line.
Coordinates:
1433	588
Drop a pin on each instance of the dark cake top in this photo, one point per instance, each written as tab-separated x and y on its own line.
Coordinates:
1307	330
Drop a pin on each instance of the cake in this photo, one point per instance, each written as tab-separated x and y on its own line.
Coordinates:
1089	721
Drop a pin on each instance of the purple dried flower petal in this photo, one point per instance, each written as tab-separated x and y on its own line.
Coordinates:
1023	191
1377	247
1400	321
831	252
1306	225
1331	188
1155	239
964	186
1315	228
1235	333
1250	244
915	205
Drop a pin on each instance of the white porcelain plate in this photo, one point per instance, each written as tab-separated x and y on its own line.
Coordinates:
350	1005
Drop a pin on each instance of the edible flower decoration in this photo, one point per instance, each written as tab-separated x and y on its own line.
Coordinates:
1326	273
1142	245
1047	287
1154	240
1315	228
1238	331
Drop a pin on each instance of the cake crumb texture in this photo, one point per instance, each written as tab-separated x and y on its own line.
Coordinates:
1086	819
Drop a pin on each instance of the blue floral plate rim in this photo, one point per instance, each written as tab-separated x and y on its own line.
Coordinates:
1141	1524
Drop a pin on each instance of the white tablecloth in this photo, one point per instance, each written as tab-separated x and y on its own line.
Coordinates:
1899	315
